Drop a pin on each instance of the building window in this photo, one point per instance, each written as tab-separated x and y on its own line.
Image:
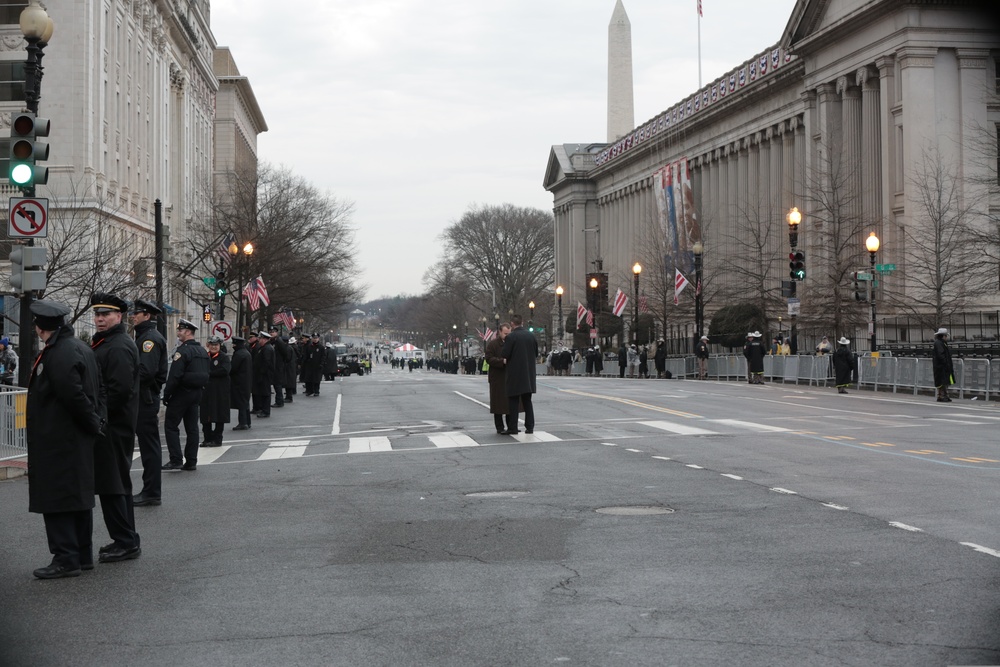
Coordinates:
10	11
11	81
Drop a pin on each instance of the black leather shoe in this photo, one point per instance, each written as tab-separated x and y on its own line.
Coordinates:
119	554
529	430
189	466
56	572
263	416
509	432
241	427
140	499
107	547
277	405
170	467
87	566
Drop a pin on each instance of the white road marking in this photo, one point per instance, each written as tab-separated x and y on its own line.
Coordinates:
637	451
476	401
982	549
736	477
679	429
609	444
834	506
452	439
537	436
912	529
789	492
336	416
272	453
691	465
288	443
211	454
954	421
753	426
662	458
378	443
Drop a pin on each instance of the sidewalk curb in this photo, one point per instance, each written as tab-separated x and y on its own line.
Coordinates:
13	469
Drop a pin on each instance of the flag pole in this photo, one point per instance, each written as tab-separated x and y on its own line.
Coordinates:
699	42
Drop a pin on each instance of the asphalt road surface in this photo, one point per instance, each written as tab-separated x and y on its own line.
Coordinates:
643	523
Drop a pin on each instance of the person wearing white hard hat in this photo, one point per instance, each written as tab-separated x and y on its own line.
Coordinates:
701	353
944	370
754	352
843	365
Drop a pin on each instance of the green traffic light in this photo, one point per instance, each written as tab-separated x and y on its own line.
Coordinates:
21	174
220	292
800	274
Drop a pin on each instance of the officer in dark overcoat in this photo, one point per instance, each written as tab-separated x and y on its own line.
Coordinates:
754	353
152	349
263	374
65	415
843	365
941	364
214	409
312	365
497	378
291	366
118	361
520	351
182	395
282	357
241	383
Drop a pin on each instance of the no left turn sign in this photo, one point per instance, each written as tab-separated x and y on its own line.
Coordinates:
223	330
28	217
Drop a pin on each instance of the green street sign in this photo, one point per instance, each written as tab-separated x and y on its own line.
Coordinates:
209	282
864	276
885	268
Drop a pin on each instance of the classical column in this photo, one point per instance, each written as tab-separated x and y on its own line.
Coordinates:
776	216
788	196
851	177
871	148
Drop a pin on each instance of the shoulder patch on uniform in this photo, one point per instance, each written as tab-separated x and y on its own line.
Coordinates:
148	345
177	355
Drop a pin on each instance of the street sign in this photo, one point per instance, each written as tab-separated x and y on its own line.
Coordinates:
223	330
27	217
885	268
864	276
793	306
209	281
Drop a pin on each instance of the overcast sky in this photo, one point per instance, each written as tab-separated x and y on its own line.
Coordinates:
415	109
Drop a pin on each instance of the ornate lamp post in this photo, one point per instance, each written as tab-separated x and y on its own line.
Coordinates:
636	270
699	306
234	250
531	312
872	245
794	219
465	339
562	323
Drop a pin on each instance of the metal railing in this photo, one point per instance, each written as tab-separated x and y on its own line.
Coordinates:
13	426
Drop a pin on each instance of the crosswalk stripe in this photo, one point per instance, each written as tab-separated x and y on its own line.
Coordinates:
537	436
289	443
753	426
281	453
379	443
679	429
211	454
452	439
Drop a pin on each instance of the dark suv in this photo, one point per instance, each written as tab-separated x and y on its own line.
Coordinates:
349	364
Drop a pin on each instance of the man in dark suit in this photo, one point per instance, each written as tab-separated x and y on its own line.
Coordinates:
152	349
520	352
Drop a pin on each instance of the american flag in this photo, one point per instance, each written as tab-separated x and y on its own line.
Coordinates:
581	312
487	334
256	294
620	302
285	317
680	282
223	249
643	304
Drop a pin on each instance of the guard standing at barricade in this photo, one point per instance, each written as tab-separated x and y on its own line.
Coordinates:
182	396
65	416
152	349
118	362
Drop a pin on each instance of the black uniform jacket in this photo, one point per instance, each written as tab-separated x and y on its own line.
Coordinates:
118	362
497	376
64	418
941	362
263	367
215	398
152	349
189	370
313	363
520	349
240	376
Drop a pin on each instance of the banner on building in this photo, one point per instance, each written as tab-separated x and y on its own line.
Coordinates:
676	213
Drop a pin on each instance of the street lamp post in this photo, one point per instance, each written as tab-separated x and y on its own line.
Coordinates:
794	219
699	306
234	250
531	312
636	270
562	323
872	245
454	336
465	340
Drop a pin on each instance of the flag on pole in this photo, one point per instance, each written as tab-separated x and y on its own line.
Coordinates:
680	282
285	317
223	249
643	304
256	294
590	319
699	8
262	292
620	302
581	313
486	334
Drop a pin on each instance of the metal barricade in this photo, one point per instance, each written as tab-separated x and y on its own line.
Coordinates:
13	426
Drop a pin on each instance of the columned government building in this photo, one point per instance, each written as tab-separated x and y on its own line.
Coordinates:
868	116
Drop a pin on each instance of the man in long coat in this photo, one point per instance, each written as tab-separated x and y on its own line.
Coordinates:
214	409
944	370
282	356
754	352
241	383
843	365
118	361
520	350
65	415
263	375
313	362
497	378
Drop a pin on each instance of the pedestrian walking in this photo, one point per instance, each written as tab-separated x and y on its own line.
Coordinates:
182	395
701	354
152	350
240	383
64	417
519	352
497	378
214	408
843	365
944	370
754	352
118	362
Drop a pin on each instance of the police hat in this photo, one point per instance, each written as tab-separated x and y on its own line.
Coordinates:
238	339
105	302
143	306
214	340
185	324
274	328
263	334
49	315
315	335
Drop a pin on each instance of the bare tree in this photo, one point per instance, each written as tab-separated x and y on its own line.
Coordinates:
757	262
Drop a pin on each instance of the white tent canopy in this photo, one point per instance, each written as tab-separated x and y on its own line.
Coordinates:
408	351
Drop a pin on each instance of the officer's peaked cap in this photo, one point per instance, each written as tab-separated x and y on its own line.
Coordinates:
143	306
185	324
105	302
49	315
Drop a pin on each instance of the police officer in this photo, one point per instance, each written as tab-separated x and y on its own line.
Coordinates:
182	395
263	374
241	383
282	356
65	416
152	348
118	362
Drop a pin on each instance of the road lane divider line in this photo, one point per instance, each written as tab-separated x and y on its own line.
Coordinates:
336	416
981	549
474	400
691	465
787	492
835	506
663	458
628	401
753	426
912	529
736	477
637	451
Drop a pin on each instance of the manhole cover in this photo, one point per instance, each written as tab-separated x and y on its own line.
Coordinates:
635	510
498	494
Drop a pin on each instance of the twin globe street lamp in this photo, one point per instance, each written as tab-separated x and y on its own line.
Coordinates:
234	250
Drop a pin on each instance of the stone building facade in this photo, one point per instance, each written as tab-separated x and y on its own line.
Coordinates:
838	119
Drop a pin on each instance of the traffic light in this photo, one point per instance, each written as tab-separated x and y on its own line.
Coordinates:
26	274
25	150
788	288
220	285
207	313
797	265
858	295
